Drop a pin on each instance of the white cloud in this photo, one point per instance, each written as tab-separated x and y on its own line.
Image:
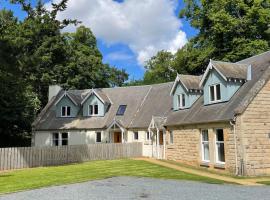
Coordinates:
118	55
146	26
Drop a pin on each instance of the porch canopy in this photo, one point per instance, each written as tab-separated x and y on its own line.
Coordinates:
114	129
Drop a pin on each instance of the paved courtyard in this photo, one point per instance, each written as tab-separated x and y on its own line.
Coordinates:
143	188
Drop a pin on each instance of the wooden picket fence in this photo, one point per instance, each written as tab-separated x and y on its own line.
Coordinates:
28	157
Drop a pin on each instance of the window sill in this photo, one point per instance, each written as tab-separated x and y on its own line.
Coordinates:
219	166
205	164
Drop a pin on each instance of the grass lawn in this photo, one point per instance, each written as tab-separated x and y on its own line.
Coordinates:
47	176
264	182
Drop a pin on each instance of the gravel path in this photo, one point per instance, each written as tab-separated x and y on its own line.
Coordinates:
143	188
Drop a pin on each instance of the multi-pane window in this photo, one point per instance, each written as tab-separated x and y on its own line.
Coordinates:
121	110
98	136
60	139
136	135
65	111
220	152
181	100
171	137
205	145
147	135
93	109
215	93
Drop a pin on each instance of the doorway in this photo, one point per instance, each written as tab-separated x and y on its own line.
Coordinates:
117	137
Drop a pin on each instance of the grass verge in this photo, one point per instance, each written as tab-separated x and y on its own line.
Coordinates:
48	176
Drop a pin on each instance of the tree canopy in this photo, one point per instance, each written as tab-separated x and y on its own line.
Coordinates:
35	53
228	30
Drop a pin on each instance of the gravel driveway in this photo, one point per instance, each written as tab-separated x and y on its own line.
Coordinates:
143	188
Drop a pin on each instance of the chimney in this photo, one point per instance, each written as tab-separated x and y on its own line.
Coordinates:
53	91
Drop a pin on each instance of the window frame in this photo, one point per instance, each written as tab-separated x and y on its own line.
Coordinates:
66	111
203	143
60	139
134	133
215	93
98	132
180	99
216	147
118	110
92	106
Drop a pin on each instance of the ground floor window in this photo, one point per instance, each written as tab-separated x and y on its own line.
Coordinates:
220	152
60	139
147	135
98	136
136	135
205	146
171	137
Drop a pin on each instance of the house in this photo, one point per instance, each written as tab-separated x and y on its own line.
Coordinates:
220	120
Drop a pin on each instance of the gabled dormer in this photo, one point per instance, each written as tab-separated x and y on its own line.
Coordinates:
185	91
95	103
222	79
67	105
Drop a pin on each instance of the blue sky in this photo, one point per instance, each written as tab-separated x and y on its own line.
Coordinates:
128	32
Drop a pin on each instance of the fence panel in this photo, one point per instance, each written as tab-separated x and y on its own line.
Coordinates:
27	157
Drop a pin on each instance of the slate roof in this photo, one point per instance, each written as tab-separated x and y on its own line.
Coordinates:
142	103
225	111
191	82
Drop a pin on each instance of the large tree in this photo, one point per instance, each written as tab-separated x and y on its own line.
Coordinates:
228	30
35	53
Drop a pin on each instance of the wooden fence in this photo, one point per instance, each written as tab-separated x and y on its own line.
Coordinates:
27	157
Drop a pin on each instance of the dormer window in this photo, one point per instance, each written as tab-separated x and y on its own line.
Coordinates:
93	110
65	111
181	101
215	93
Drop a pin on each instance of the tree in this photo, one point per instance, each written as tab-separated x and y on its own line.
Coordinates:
229	30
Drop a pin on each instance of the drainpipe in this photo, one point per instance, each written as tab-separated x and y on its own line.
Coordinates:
232	122
164	143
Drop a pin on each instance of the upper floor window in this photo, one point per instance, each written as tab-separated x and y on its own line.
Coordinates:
220	151
60	139
121	110
65	111
98	137
205	146
93	110
215	93
181	100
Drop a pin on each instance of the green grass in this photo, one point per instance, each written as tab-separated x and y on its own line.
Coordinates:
264	182
47	176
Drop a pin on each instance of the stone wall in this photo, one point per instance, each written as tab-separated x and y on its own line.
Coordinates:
253	129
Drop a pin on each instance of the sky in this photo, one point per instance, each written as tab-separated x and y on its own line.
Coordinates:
128	32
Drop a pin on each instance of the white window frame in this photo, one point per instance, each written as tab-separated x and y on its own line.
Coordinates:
60	139
100	136
203	143
171	137
134	135
215	93
93	107
216	146
65	111
180	101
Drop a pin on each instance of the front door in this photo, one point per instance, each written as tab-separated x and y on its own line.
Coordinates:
117	137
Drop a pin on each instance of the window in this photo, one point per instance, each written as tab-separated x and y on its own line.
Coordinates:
181	100
98	136
136	135
65	111
215	94
220	153
93	110
121	110
205	146
147	135
60	139
171	137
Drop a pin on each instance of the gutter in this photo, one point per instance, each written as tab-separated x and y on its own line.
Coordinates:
232	123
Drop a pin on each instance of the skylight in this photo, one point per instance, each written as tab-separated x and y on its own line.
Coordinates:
121	110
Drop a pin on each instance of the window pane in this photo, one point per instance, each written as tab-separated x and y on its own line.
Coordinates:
64	136
98	137
221	153
136	136
68	111
90	110
220	136
218	95
121	110
205	135
212	93
171	137
63	111
64	142
178	101
183	100
55	136
206	151
147	136
95	109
